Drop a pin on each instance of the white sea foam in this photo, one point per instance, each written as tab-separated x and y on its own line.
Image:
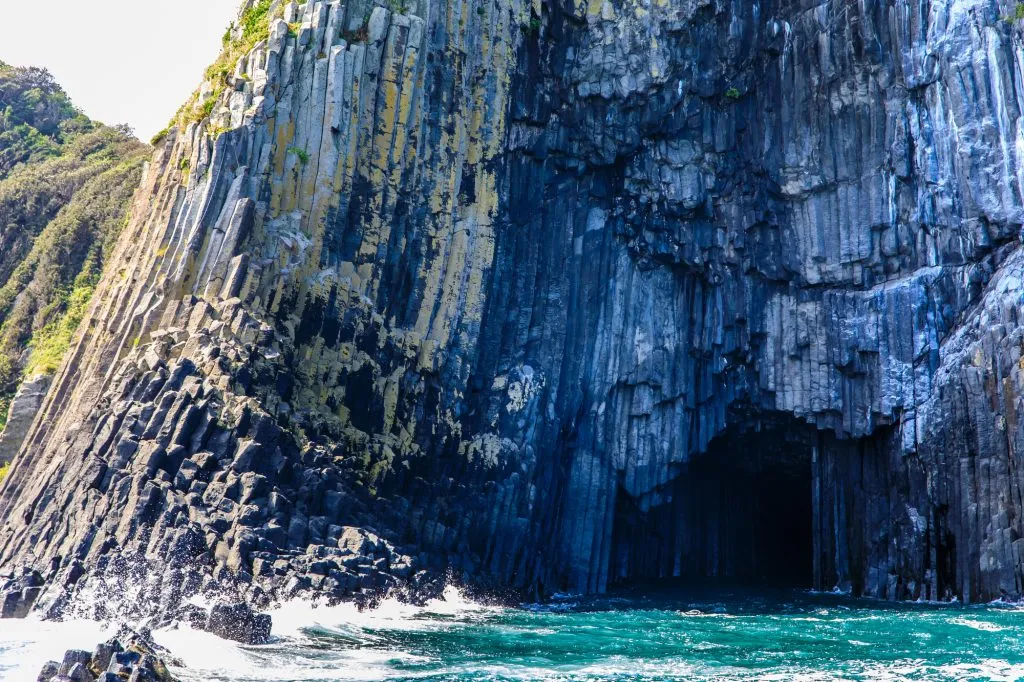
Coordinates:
697	613
30	643
984	626
207	657
294	654
988	669
293	618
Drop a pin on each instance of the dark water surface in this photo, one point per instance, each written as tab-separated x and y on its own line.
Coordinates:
716	634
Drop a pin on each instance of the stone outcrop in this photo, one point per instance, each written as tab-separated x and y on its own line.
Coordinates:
22	412
557	296
238	623
18	593
128	656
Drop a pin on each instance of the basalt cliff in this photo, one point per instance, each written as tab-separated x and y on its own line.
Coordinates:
557	296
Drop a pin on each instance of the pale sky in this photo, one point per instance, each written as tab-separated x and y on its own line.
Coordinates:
121	61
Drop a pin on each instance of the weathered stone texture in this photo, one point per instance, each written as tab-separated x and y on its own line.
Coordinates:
470	286
128	656
22	412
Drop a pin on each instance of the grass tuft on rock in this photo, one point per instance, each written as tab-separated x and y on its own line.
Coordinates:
253	27
52	341
5	409
300	153
1016	15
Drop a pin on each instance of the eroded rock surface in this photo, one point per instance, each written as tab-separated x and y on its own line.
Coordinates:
237	622
475	286
18	593
23	409
128	656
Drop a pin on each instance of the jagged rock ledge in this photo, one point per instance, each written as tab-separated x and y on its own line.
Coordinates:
130	655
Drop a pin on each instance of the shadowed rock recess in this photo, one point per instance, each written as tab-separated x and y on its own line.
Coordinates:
558	295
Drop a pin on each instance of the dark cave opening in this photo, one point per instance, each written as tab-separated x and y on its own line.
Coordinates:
740	513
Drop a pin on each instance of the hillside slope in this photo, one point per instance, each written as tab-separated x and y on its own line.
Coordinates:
65	187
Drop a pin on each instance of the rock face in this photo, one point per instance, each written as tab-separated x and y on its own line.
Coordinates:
558	296
18	593
24	407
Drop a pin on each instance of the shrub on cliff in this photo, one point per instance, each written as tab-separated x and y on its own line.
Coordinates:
51	342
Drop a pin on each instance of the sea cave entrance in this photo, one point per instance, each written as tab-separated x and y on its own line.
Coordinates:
741	513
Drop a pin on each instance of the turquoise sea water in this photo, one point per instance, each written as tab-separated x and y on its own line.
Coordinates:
667	635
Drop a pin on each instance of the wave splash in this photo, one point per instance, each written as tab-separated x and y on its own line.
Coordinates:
32	642
324	644
294	618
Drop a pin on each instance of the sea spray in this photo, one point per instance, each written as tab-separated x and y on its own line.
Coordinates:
342	642
27	644
391	613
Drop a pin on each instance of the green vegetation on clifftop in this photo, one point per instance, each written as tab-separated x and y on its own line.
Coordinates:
253	26
35	116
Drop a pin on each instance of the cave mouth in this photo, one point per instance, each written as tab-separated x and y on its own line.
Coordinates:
739	514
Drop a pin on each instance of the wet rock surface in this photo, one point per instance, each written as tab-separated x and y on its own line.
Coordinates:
18	593
237	622
472	287
128	656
